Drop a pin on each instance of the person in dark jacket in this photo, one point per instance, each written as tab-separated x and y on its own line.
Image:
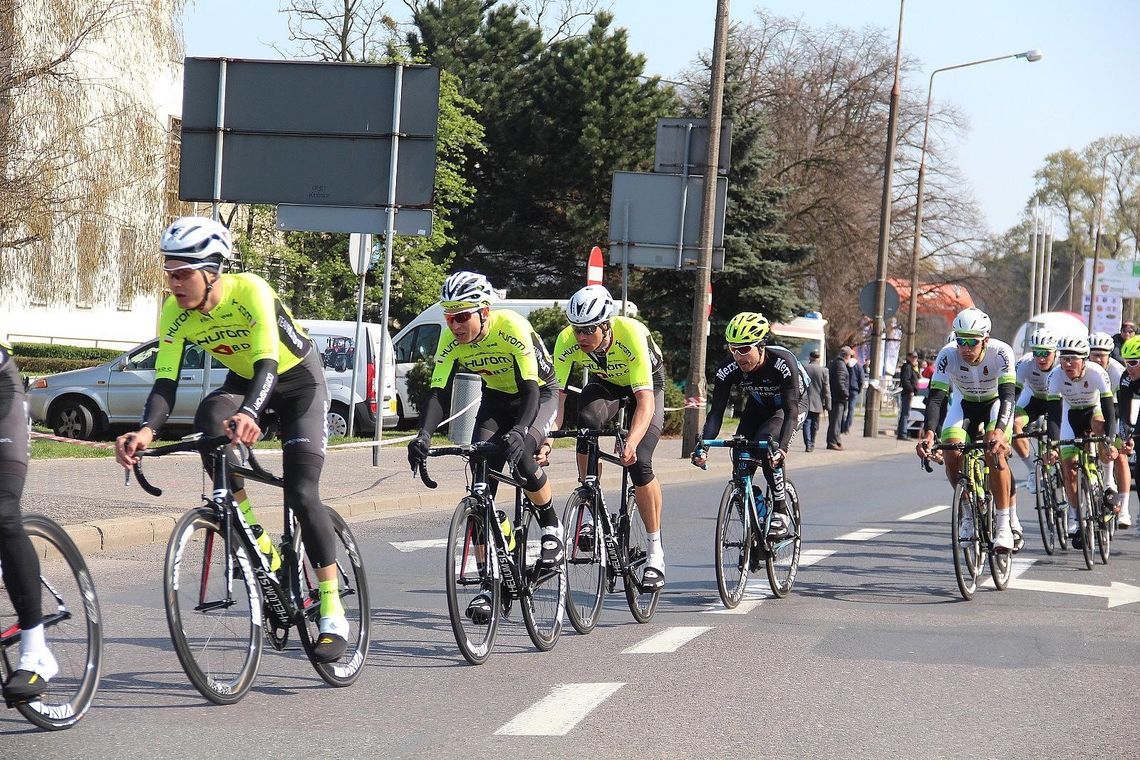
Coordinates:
840	382
908	381
856	378
819	399
1127	330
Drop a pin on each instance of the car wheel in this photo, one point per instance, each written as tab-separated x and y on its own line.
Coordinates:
72	418
337	419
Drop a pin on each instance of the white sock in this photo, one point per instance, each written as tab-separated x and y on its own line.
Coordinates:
653	545
1002	518
32	641
1013	521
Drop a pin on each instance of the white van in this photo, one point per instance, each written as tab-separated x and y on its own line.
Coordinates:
418	339
336	344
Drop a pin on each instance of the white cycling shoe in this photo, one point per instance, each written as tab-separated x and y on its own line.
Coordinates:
1003	539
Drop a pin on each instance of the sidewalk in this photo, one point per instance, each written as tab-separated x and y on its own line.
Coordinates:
88	496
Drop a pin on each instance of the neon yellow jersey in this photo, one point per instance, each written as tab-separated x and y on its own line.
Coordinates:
250	323
632	359
510	354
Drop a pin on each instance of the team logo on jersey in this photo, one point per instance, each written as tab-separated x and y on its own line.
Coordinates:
223	349
985	370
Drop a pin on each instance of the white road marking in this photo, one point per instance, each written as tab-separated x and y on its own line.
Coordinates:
411	546
559	711
750	600
1117	594
863	534
809	557
669	640
924	513
1019	567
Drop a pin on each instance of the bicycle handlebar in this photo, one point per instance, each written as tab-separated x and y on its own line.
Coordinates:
479	449
1081	441
202	445
961	447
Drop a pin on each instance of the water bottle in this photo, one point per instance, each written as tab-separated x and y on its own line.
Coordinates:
505	526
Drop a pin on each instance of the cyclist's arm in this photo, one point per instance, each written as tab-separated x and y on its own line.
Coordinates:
1124	404
642	416
721	393
791	395
432	412
1108	409
168	367
260	388
528	400
1007	395
1054	409
934	403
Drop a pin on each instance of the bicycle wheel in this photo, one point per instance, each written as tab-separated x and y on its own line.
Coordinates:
1046	515
733	534
967	551
1105	518
1085	504
585	562
632	544
1001	563
215	624
544	597
1056	497
353	596
469	573
72	626
783	561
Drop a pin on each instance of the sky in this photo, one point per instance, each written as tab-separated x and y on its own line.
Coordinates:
1085	87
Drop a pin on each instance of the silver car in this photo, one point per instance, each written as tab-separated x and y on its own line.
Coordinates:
86	402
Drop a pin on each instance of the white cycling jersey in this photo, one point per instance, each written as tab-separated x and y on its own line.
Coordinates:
1033	380
1083	393
974	382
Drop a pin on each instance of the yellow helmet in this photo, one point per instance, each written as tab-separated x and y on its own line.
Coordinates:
1131	348
747	327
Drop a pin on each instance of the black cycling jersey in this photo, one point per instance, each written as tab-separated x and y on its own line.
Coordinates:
1126	395
774	386
21	564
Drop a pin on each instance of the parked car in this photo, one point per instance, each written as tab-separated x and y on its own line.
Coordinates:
85	403
336	340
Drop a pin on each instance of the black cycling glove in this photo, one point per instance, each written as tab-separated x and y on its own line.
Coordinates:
418	450
514	445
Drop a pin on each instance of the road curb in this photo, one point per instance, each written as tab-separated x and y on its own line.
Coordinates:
119	532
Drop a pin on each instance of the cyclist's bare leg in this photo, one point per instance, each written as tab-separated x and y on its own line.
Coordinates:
1069	473
1000	479
649	504
1123	479
1020	445
953	462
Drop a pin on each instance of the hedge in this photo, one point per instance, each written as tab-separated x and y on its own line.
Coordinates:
60	351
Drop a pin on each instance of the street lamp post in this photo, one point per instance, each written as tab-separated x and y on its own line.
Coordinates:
1029	55
1099	224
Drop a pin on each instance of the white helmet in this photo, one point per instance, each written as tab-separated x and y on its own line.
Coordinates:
590	306
1043	339
464	290
1101	341
972	322
197	242
1073	345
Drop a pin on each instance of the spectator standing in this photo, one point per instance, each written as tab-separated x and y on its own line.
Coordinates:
908	382
857	380
839	380
1127	330
819	399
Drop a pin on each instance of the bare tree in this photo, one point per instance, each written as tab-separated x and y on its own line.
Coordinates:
350	31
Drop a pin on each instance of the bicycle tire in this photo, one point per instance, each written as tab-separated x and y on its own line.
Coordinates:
585	570
731	550
544	598
966	552
633	546
783	559
1046	516
1084	504
222	671
1060	505
354	598
467	576
1105	518
73	628
1001	563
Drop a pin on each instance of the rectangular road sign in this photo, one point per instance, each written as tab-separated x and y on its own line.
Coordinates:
307	133
645	215
669	156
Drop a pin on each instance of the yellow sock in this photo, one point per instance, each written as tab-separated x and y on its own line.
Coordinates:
330	598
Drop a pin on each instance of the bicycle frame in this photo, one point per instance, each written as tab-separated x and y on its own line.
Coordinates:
759	511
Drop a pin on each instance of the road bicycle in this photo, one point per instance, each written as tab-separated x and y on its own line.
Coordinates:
602	546
72	624
487	553
974	497
1050	496
222	599
743	522
1096	518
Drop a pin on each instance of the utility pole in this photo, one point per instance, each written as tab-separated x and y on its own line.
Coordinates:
695	388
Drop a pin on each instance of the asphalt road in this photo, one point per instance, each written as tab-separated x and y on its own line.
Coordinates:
874	654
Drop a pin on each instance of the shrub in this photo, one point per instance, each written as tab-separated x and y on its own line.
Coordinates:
674	397
60	351
49	366
419	384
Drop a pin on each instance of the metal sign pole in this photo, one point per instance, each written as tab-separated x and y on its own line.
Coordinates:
684	197
362	266
625	260
389	234
214	211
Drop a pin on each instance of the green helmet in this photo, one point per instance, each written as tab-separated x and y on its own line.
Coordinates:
1131	348
747	327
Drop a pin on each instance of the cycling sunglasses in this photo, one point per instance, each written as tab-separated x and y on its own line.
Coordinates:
586	329
1131	362
1042	353
742	350
968	342
460	318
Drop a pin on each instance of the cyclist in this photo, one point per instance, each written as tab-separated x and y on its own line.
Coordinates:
1118	479
1127	398
517	404
1080	404
980	372
624	363
1033	383
18	558
241	321
770	378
